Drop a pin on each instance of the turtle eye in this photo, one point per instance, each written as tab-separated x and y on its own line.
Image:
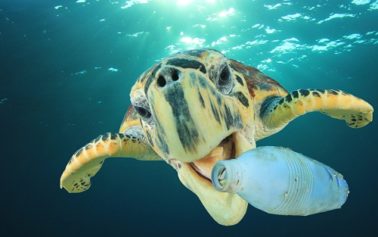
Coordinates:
225	80
144	113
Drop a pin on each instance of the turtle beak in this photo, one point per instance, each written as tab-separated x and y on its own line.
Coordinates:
225	208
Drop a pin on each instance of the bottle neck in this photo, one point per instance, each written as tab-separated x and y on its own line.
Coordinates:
226	176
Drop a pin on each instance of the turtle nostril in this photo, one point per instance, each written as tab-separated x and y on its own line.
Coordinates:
161	81
168	76
175	75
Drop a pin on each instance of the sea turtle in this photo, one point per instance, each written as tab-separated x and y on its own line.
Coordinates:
196	107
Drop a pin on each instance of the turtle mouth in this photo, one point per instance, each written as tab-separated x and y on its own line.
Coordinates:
224	151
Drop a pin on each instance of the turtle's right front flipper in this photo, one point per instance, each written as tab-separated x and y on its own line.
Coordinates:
276	111
87	161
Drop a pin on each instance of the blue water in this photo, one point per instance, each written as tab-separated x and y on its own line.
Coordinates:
65	75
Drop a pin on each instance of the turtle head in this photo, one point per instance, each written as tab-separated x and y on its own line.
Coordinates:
195	109
190	102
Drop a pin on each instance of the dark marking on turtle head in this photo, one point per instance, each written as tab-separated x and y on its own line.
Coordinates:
143	77
151	78
215	112
162	144
202	82
241	97
186	129
238	79
201	99
186	63
213	73
219	98
230	119
193	78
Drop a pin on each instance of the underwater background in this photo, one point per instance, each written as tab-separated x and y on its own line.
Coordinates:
65	74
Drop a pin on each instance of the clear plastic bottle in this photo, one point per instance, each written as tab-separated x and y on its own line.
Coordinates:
280	181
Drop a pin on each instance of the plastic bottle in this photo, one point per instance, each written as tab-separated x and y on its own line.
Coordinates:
280	181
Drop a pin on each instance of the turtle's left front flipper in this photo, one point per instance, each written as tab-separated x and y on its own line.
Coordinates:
276	112
87	161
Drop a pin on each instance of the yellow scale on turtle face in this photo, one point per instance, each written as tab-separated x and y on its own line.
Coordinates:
197	107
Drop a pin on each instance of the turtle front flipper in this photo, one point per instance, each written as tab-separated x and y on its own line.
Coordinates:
87	161
276	111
